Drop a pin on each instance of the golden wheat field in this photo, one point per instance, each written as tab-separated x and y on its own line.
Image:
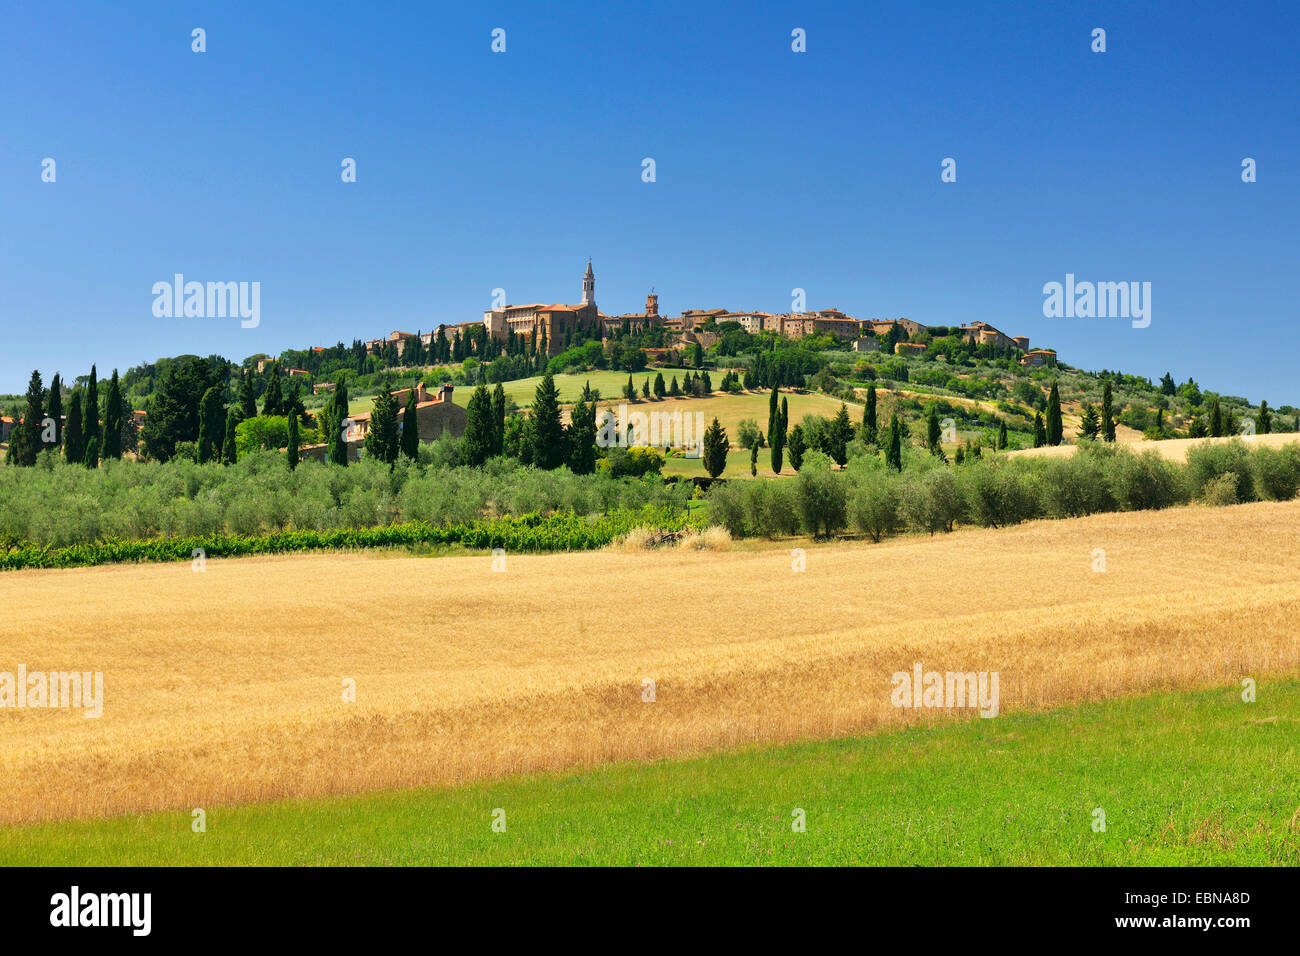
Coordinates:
1172	449
226	686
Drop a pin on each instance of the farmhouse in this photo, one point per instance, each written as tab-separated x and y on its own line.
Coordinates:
907	327
435	415
1039	357
981	333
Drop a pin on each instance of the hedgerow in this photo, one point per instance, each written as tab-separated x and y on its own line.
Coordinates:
525	533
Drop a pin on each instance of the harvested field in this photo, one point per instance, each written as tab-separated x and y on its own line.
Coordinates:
225	686
1173	449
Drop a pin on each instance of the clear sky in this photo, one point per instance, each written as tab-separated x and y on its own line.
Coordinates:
774	170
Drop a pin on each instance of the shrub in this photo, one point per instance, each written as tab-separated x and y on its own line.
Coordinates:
770	508
1077	486
874	504
1210	460
932	503
631	462
998	495
1220	490
1145	481
749	434
727	506
822	496
1277	472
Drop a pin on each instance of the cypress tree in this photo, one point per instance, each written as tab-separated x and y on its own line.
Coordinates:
1040	433
478	428
581	437
715	449
869	429
645	389
211	425
1089	424
55	409
674	390
273	400
74	448
1216	419
113	419
548	433
932	431
894	454
92	452
292	403
753	459
1107	413
90	415
1265	417
247	397
1055	429
410	428
229	450
772	412
841	434
499	419
660	390
292	450
797	447
629	390
381	439
776	441
30	442
1002	435
338	448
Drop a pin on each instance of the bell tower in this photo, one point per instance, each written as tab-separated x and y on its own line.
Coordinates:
589	286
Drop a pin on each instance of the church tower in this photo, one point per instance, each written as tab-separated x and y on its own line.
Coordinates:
589	286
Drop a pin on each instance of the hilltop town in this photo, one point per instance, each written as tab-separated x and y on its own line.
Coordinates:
550	329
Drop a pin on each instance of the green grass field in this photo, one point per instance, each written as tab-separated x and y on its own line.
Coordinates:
1184	779
610	385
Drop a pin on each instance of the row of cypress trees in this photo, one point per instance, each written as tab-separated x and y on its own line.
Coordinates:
86	437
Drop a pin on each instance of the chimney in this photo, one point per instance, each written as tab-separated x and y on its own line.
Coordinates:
444	393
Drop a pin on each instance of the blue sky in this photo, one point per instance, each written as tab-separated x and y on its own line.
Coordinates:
775	170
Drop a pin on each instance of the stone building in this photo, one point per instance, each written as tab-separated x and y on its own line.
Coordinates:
981	333
551	321
435	415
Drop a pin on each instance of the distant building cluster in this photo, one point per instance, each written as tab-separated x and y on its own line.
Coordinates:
556	323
